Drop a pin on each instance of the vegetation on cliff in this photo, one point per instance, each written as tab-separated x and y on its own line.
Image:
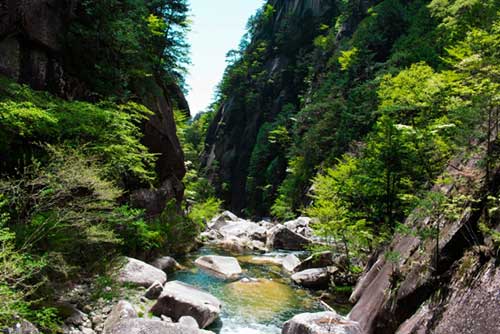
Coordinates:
67	167
384	99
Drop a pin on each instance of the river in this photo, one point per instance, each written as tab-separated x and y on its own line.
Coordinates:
255	307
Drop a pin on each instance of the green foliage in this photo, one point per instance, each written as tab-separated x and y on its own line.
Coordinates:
17	273
201	213
63	208
107	131
121	45
338	219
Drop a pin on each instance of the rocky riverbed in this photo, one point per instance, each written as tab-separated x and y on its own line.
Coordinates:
248	278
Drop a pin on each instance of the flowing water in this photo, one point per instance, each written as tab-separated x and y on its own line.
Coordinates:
256	307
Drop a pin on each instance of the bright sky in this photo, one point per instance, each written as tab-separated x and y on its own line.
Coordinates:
218	26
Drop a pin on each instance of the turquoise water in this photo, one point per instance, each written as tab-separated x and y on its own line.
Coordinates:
250	308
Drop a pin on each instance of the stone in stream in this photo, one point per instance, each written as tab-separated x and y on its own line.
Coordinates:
290	262
222	266
179	299
281	237
140	273
316	278
321	323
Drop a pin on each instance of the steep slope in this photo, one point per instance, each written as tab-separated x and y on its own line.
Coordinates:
34	50
297	96
263	84
441	284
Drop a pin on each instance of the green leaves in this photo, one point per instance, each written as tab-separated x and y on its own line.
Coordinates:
105	130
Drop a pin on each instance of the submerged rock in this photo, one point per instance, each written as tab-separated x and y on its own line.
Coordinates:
262	299
222	266
179	299
140	273
320	323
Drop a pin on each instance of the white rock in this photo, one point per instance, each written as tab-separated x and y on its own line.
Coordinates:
140	273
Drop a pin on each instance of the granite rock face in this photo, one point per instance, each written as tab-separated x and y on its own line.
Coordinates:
33	51
450	287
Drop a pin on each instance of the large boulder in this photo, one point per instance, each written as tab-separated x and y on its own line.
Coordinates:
140	273
122	311
281	237
300	226
152	326
313	278
179	299
222	266
320	323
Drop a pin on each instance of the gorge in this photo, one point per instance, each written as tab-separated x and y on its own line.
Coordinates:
345	178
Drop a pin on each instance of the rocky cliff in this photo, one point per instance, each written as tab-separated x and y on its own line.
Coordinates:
33	50
233	134
266	88
447	283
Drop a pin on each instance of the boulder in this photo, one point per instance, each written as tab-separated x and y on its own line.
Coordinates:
122	311
154	291
166	263
266	260
234	244
317	260
189	322
22	327
281	237
140	273
179	299
313	278
243	228
152	326
290	262
221	220
222	266
300	226
320	323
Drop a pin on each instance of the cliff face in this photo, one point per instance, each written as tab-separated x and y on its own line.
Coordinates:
232	136
32	51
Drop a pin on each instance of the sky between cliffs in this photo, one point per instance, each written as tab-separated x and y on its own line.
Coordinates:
218	26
